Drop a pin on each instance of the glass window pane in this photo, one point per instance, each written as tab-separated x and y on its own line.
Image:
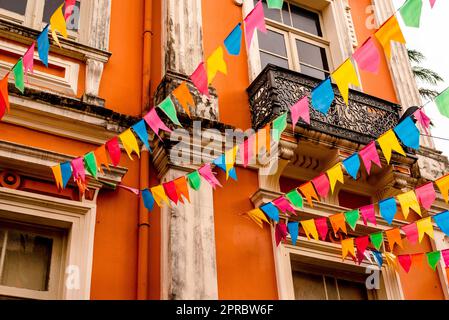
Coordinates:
306	20
331	287
273	42
266	58
312	55
17	6
286	14
27	261
273	14
352	290
308	286
313	72
72	21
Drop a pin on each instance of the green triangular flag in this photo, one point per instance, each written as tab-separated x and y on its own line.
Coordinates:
376	240
194	180
295	198
91	164
169	108
279	125
442	102
18	75
411	13
352	217
433	258
275	4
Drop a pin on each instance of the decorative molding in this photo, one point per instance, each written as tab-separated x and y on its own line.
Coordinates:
94	72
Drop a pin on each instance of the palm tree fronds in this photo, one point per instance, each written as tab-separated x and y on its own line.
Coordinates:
415	56
428	94
427	75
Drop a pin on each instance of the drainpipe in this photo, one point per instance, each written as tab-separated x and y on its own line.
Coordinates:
144	223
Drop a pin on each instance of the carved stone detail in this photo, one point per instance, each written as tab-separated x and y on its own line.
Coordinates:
94	72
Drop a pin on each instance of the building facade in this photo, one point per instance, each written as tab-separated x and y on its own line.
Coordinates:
123	57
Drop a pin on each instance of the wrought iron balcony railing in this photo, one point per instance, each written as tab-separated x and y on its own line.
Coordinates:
276	89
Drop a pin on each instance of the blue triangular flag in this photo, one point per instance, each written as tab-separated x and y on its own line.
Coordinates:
322	96
148	199
66	173
271	211
408	133
293	228
43	46
352	165
233	174
388	209
442	221
141	130
220	162
378	257
233	41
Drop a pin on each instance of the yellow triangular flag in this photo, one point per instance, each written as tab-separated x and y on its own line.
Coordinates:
159	195
409	200
389	31
443	185
335	174
57	23
343	77
310	228
425	226
58	175
216	63
129	142
347	247
258	217
391	260
388	143
230	157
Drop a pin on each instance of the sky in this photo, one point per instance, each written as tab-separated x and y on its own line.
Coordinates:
431	39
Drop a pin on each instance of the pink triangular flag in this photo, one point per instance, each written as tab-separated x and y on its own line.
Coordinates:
206	172
300	110
368	56
426	195
369	154
411	231
78	169
284	205
423	120
280	232
322	227
322	185
170	191
69	5
199	79
432	3
155	123
114	151
247	150
368	214
405	261
254	20
445	255
28	61
361	244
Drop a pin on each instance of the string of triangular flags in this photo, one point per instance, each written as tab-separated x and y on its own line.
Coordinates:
321	97
25	64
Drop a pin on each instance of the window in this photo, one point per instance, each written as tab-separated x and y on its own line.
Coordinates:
30	261
294	40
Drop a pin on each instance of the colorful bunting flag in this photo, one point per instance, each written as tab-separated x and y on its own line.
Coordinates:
338	222
295	198
323	96
140	130
433	258
271	211
28	60
405	261
388	209
113	148
442	221
155	123
247	152
322	185
184	97
258	217
215	64
391	260
43	46
368	214
206	172
445	255
66	173
388	143
423	120
233	41
293	228
443	185
369	155
57	23
275	4
335	174
57	175
352	165
368	56
308	191
411	231
300	110
69	5
279	125
101	157
389	31
352	217
194	180
4	96
347	247
169	109
432	3
361	244
280	233
377	239
442	102
91	164
78	169
199	79
230	158
159	195
411	13
170	191
408	133
343	77
182	189
426	195
283	205
424	227
408	200
18	75
394	237
148	199
310	228
322	227
129	143
378	257
254	20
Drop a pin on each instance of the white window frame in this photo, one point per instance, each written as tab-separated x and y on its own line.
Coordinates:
76	218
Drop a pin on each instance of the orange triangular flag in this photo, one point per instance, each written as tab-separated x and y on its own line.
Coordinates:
347	247
101	157
184	97
4	91
389	31
394	237
443	185
264	138
338	222
309	192
182	188
58	176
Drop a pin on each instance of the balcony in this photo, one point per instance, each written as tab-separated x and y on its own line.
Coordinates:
276	89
